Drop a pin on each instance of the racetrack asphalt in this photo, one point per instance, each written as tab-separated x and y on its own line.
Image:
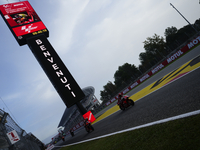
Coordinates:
179	97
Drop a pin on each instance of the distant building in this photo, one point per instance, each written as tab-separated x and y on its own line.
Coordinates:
72	116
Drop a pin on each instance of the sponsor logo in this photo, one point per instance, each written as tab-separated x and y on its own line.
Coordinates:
194	42
144	78
6	6
134	84
34	28
7	17
113	100
125	91
173	57
157	68
29	28
20	4
108	103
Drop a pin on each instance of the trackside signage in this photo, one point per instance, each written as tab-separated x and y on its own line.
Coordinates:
13	137
169	60
56	71
22	20
194	42
90	116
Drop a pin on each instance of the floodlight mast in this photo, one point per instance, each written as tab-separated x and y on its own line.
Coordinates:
183	17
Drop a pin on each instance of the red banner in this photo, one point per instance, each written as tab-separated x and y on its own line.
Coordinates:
90	116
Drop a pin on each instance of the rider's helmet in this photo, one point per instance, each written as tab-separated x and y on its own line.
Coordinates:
119	95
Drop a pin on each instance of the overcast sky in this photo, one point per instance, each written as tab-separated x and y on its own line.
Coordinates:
93	38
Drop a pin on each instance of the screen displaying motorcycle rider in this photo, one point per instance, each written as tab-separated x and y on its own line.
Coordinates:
24	17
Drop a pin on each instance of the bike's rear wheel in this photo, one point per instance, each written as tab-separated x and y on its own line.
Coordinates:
87	129
92	128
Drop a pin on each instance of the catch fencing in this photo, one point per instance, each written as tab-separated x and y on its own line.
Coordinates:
25	141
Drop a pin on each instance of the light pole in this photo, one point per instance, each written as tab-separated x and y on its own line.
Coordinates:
183	17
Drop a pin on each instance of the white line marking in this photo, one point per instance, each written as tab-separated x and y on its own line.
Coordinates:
138	127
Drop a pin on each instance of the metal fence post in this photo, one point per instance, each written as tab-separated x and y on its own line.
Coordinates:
3	128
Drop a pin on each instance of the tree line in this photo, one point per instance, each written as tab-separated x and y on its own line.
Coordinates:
156	48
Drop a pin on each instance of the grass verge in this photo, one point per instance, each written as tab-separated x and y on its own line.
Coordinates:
174	135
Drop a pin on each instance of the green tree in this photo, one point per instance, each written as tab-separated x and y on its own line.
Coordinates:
197	24
155	45
175	38
155	49
125	73
170	36
170	31
108	91
147	60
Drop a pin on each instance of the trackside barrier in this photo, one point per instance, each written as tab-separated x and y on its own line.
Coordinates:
50	147
166	62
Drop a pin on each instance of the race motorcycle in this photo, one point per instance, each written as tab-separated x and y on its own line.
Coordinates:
125	102
88	126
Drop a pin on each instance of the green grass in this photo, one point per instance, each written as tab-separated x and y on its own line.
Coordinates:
182	134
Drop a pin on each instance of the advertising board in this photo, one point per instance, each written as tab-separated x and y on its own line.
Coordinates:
22	20
90	116
55	69
13	137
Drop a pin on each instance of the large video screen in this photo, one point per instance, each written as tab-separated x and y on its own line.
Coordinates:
23	21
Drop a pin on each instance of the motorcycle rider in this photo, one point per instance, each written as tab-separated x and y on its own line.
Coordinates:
120	99
87	125
86	121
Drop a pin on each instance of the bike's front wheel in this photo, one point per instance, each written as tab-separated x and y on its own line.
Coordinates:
131	102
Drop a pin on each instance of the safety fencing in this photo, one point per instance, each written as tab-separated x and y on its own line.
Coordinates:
12	137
